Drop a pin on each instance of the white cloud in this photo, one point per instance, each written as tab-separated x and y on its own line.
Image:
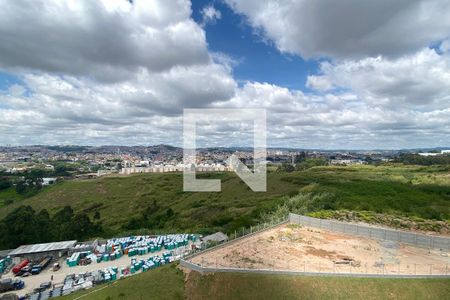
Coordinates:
420	80
210	15
104	70
108	40
349	28
340	120
320	83
113	73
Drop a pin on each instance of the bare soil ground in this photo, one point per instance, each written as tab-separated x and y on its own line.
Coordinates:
299	248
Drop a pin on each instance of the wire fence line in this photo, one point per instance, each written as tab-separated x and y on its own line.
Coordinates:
331	269
311	269
238	235
411	238
210	264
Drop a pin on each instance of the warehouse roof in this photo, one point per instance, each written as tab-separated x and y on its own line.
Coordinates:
46	247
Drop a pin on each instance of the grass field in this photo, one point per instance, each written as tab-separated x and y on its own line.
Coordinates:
168	282
133	202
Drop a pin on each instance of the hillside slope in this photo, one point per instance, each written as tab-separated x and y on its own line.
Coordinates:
157	202
168	282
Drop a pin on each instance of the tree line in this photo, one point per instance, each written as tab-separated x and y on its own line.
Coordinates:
416	159
303	164
26	226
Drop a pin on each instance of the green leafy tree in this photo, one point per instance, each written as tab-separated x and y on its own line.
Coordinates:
19	227
286	168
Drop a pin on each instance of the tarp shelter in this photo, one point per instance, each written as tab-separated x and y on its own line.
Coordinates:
217	237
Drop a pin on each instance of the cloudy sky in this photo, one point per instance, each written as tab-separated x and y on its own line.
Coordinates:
355	74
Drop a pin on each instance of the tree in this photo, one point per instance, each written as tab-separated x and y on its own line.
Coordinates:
44	226
63	215
19	227
80	227
4	183
21	188
286	168
61	222
169	213
311	162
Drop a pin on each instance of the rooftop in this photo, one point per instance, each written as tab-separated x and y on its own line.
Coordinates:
45	247
217	237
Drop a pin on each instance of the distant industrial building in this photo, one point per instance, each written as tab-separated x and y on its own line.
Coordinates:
443	152
39	251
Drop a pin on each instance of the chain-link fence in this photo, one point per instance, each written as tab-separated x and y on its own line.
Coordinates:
237	235
330	269
211	264
411	238
346	268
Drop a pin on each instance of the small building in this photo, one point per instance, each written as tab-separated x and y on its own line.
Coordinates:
48	181
39	251
216	238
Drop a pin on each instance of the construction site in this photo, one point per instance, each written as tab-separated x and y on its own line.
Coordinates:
301	248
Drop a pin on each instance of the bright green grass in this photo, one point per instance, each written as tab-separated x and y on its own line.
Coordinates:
8	196
257	286
168	282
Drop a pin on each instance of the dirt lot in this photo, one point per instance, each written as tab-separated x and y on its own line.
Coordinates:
295	247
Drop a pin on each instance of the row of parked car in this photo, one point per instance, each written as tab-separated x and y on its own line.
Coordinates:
26	267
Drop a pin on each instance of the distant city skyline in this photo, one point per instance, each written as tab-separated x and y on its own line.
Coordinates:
230	148
332	75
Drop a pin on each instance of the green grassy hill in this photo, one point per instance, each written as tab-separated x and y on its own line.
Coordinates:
168	282
144	200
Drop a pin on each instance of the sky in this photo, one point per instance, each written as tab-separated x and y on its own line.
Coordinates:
349	74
